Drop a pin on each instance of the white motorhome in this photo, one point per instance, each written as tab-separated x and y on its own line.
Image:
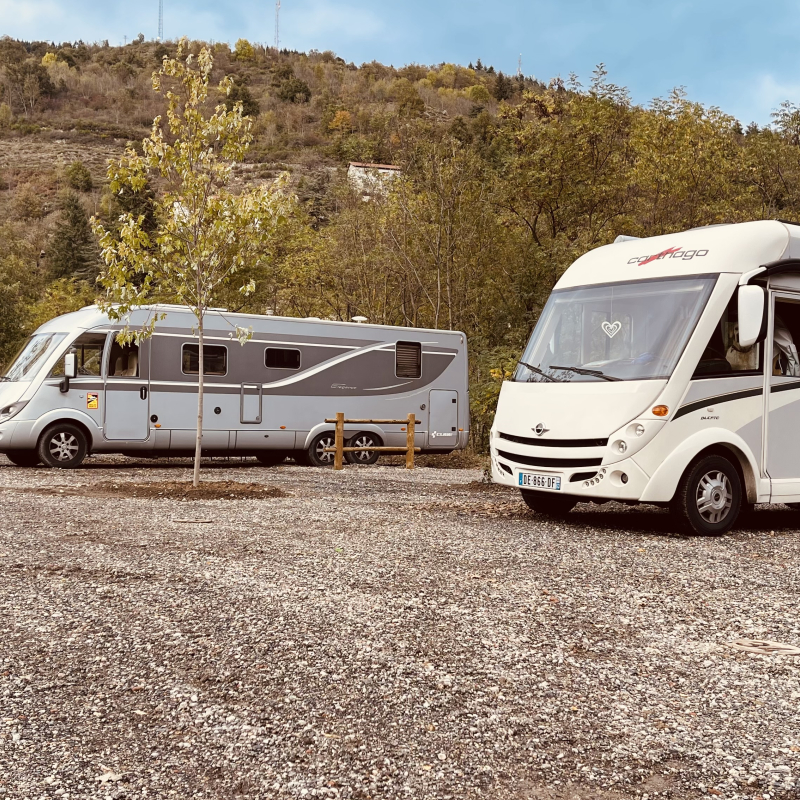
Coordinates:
663	370
73	389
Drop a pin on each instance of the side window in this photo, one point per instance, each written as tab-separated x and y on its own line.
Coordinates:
408	360
785	338
215	359
89	351
723	355
123	361
281	358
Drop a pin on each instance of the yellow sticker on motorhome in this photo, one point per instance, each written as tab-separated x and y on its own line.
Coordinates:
92	400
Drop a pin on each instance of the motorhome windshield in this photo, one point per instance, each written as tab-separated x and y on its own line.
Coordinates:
621	331
32	356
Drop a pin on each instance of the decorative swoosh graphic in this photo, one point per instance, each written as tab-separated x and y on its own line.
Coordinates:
659	255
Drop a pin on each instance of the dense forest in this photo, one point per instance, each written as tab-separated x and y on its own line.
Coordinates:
505	180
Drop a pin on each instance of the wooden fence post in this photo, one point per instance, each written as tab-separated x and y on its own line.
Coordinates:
339	441
410	441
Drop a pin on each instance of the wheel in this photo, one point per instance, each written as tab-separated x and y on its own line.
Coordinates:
551	505
316	455
24	458
364	457
709	497
63	446
271	458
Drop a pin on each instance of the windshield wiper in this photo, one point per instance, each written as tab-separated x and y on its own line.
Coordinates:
582	371
539	372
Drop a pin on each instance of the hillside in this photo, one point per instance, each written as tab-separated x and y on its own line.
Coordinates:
505	181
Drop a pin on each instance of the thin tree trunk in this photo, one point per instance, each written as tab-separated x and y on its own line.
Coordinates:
199	442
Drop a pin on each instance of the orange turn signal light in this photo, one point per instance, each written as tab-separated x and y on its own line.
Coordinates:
661	411
283	427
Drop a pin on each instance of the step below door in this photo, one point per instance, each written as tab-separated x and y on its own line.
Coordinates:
443	424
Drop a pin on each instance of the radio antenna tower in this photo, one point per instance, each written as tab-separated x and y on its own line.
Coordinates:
519	66
278	25
160	20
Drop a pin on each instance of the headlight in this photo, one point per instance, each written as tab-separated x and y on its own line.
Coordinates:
622	446
639	430
11	410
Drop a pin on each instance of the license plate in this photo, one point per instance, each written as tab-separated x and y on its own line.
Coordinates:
536	480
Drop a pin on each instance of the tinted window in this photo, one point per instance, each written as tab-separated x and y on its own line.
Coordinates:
408	360
281	358
124	360
215	359
785	338
723	355
88	350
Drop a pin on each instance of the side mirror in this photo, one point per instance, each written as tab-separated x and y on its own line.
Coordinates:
751	314
70	371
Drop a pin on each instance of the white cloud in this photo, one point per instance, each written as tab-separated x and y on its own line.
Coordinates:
766	96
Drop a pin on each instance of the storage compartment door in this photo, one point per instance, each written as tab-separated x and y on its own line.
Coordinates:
250	404
443	425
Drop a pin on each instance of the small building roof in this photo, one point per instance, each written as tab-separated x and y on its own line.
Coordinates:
361	165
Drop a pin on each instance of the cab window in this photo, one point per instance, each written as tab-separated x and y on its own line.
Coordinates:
89	349
785	338
723	355
123	361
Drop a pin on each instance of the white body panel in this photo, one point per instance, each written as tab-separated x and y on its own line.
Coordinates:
755	418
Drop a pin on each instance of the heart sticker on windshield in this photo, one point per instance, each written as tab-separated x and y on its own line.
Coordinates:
612	329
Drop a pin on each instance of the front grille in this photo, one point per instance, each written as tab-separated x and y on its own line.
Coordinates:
534	461
554	442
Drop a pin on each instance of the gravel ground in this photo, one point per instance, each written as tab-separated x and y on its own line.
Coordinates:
378	633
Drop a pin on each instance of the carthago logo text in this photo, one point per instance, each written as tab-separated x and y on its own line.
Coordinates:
672	252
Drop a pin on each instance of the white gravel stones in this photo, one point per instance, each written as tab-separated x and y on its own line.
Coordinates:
385	634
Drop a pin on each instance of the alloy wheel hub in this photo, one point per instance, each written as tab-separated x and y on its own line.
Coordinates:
714	496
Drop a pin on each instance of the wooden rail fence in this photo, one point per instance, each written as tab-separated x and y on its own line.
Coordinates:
339	449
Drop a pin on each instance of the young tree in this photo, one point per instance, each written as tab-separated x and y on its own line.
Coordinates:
204	232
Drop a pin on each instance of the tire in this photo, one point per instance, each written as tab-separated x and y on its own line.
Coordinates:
24	458
709	497
271	458
363	440
315	456
63	446
551	505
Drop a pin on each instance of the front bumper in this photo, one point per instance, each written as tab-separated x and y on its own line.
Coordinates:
623	480
6	434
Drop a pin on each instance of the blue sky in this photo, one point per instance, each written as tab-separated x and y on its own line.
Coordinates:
739	55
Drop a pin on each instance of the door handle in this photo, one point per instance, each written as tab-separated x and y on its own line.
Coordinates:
143	393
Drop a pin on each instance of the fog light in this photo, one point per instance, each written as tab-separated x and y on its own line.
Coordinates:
623	478
621	446
640	430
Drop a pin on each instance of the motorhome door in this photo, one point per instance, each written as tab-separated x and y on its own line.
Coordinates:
443	418
127	404
783	397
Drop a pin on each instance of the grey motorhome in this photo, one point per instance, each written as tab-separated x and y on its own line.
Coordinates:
73	389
